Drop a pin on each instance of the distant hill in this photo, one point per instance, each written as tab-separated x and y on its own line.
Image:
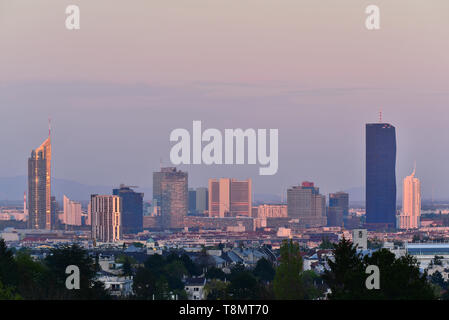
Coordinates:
12	189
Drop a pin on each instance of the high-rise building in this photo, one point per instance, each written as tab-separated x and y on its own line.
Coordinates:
306	204
230	197
380	174
338	209
202	200
170	190
39	187
192	201
72	212
411	203
106	217
132	209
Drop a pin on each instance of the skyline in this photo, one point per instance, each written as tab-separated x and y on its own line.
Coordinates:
311	71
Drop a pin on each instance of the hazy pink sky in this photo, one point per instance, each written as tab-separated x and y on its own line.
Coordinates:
138	69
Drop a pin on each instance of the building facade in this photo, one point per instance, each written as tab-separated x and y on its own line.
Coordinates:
72	212
132	209
380	174
202	200
170	189
338	209
306	204
106	217
39	187
230	197
411	203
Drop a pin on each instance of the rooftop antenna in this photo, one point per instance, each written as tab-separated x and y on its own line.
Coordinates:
380	115
160	163
49	126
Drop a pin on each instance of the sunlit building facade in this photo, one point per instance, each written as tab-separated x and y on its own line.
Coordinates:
39	187
411	203
106	217
230	197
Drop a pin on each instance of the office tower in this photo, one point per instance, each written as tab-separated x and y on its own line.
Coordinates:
170	190
72	212
54	213
132	209
411	203
306	204
338	209
192	201
230	197
39	187
380	174
106	217
202	200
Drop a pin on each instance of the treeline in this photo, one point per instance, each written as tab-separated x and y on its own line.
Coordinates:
163	277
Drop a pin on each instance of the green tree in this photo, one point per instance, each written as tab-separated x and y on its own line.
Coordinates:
399	278
57	262
215	273
326	244
287	281
127	268
346	276
8	293
264	270
216	290
8	266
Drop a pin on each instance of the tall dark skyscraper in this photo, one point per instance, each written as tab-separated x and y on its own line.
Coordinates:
170	189
39	187
132	209
380	174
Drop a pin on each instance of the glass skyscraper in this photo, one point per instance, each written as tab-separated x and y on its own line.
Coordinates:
380	174
39	187
132	209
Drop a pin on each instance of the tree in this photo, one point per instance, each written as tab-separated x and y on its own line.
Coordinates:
287	282
8	266
312	284
326	244
57	262
264	270
216	290
144	284
215	273
127	269
346	276
399	278
8	293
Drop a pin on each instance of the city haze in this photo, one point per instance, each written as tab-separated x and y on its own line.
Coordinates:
116	88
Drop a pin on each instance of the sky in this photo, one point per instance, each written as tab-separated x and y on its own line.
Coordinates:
138	69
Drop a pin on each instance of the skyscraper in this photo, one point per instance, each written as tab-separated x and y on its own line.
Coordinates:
132	209
230	197
192	201
39	187
202	200
338	209
306	204
411	203
380	174
170	190
106	217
